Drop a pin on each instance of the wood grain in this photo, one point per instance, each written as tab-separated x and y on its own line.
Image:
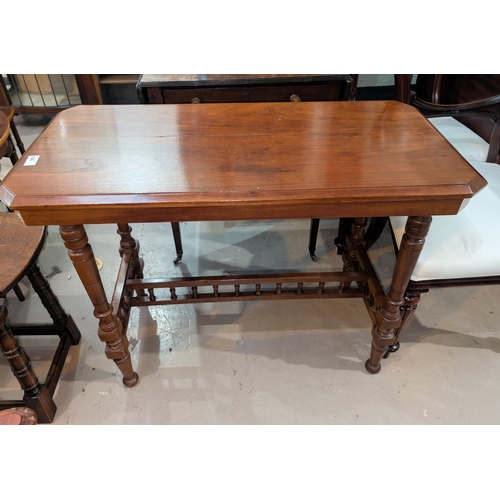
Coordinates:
103	164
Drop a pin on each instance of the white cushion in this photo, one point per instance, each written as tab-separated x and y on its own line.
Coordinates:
463	245
462	138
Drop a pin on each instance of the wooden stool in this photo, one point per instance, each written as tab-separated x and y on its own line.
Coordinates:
9	112
20	246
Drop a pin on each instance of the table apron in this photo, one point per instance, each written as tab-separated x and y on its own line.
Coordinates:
126	214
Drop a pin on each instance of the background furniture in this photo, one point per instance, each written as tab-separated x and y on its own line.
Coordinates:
180	89
7	148
197	89
40	94
9	112
462	250
19	249
50	94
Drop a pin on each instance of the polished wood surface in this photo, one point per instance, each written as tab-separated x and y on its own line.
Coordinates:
218	88
8	111
18	245
103	164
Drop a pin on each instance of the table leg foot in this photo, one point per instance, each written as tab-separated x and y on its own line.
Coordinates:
371	368
131	382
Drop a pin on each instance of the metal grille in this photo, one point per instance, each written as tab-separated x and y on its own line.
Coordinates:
58	91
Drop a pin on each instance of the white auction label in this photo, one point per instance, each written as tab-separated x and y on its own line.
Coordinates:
31	160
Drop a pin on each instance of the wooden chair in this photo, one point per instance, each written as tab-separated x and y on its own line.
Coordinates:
460	250
10	150
20	246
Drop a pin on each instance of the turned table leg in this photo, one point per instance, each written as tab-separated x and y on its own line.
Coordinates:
110	329
389	317
129	244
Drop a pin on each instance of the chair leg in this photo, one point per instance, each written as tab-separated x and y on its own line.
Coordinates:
36	396
13	153
20	296
176	230
63	322
374	230
372	234
344	230
313	238
17	137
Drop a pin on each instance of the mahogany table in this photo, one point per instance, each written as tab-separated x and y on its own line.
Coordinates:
132	164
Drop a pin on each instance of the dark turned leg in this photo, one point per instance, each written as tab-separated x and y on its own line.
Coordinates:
374	230
110	329
36	396
411	300
176	231
390	316
50	301
17	137
313	238
129	244
402	84
20	296
13	155
341	239
356	237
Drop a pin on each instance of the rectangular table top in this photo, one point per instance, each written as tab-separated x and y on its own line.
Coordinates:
140	163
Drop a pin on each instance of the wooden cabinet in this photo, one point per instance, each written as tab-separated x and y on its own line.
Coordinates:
179	89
